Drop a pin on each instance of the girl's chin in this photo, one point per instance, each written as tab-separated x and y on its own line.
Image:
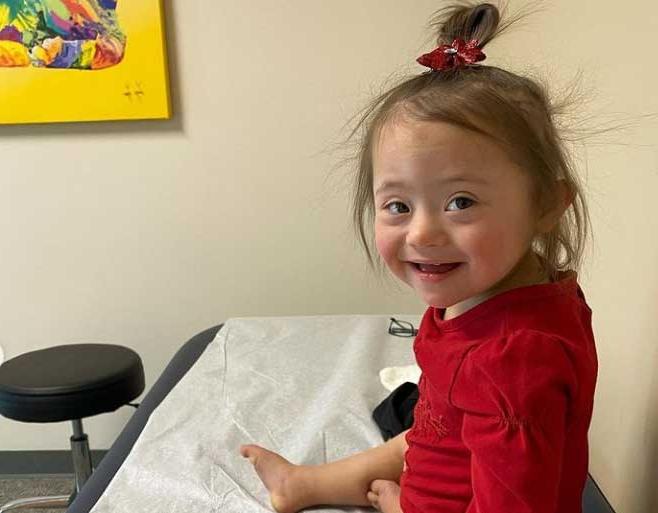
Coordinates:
437	301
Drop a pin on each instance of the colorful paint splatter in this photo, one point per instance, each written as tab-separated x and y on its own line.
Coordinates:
74	34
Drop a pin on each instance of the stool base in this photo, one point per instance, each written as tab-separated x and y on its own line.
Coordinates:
57	501
82	472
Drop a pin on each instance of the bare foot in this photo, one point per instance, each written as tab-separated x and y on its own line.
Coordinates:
385	496
287	494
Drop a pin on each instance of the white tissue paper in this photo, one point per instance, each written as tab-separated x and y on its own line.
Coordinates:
304	387
393	377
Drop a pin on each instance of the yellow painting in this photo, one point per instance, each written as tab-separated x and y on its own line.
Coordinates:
82	60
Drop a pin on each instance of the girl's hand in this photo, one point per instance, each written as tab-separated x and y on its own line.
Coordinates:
385	496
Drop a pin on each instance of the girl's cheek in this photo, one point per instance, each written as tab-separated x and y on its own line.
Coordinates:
483	237
386	244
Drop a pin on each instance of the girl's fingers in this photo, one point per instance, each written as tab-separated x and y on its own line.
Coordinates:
376	485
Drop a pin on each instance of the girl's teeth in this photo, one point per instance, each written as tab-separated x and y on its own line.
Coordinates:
433	268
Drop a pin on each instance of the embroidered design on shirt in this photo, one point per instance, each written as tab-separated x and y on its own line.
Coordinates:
439	425
425	424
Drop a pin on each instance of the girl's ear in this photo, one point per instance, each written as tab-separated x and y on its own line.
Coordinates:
564	198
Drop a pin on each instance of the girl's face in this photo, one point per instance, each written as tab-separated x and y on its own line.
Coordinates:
453	214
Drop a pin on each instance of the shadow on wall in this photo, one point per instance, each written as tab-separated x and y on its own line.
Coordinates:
648	489
82	129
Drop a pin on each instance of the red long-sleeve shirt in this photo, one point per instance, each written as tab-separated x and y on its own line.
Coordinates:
505	403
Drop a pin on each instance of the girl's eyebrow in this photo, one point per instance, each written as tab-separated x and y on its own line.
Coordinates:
396	184
389	185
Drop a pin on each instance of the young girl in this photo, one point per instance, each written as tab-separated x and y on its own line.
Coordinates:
476	207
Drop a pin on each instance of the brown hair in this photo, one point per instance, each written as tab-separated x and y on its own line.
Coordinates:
513	110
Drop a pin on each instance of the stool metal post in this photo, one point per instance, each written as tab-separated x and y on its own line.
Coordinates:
81	455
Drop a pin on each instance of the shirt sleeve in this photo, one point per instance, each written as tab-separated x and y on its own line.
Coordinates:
515	393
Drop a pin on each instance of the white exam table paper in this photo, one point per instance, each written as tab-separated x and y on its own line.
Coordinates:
304	387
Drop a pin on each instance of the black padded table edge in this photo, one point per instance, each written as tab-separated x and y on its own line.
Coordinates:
175	370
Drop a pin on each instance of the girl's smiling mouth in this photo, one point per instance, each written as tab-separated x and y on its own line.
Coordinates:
433	272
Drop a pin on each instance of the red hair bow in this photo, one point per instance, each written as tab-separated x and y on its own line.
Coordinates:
457	55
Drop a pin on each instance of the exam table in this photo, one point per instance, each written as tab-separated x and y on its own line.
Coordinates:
182	362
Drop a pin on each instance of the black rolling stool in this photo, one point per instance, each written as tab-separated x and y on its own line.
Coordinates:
68	382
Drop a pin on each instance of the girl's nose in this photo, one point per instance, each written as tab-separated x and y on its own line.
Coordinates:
426	230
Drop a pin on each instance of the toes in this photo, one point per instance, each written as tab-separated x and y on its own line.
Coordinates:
373	499
249	452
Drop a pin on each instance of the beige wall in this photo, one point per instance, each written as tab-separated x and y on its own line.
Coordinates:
145	233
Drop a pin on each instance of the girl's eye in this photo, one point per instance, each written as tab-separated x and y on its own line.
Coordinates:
461	202
396	207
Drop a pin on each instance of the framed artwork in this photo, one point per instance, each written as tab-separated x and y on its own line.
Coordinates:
82	60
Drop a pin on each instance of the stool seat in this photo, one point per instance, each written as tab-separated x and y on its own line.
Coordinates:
69	382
